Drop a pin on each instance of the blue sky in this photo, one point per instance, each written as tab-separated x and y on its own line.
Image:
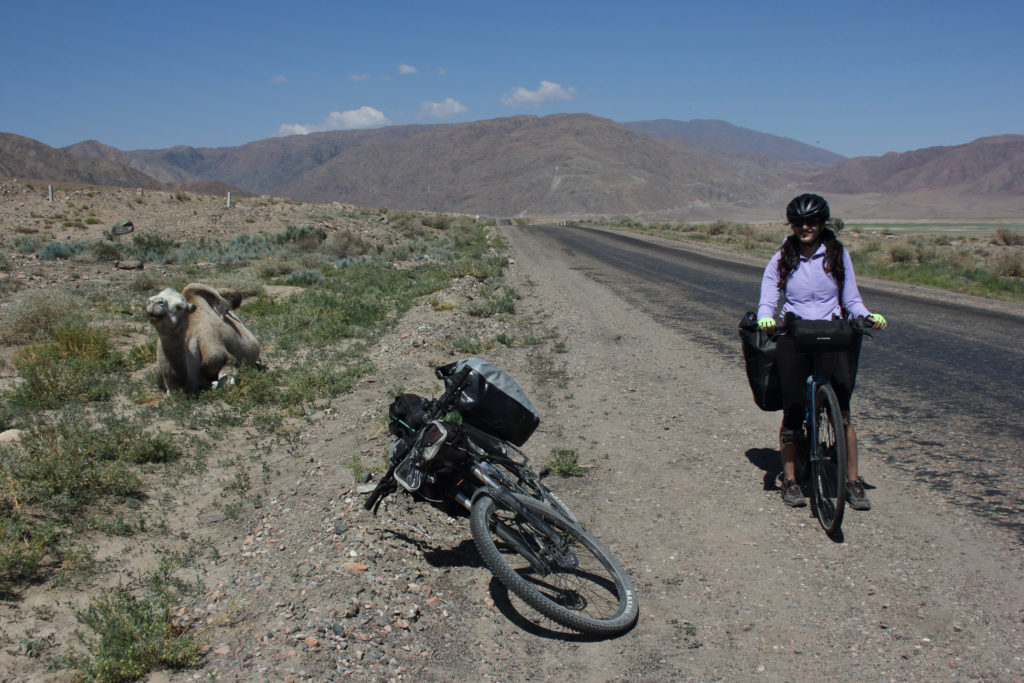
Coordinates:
857	78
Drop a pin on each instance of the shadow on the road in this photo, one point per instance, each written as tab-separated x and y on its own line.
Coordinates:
500	595
770	461
462	555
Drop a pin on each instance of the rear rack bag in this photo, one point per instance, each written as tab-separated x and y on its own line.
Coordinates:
492	401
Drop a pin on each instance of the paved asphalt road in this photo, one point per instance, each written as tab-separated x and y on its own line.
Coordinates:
940	391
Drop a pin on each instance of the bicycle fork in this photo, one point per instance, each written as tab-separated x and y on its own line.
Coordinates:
544	535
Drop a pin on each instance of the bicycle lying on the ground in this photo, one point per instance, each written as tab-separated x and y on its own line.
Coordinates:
527	537
822	454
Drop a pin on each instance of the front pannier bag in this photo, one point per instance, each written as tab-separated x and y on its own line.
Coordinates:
759	355
491	400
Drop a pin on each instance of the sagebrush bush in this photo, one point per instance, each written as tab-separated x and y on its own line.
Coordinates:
406	224
305	278
24	542
55	249
36	313
136	635
105	250
901	253
1010	264
275	266
305	238
144	282
76	364
345	243
1008	237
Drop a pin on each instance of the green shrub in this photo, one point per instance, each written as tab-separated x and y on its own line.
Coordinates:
24	543
345	243
406	223
305	278
105	250
151	248
901	253
1010	264
144	282
273	267
36	314
305	238
1008	237
76	365
56	249
565	462
55	467
136	635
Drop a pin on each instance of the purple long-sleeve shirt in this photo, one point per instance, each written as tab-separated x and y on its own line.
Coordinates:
811	293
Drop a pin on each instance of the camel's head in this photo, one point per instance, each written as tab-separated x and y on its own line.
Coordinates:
167	310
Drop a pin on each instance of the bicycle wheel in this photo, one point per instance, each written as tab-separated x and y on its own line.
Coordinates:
828	461
565	574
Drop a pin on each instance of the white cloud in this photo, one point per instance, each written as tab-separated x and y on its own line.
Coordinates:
364	117
547	92
278	80
359	77
441	110
406	69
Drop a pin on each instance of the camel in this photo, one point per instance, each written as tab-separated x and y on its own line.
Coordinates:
198	333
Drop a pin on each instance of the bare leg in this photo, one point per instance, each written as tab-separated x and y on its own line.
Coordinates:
789	452
851	448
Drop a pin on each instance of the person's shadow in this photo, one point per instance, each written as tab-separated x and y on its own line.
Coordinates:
768	460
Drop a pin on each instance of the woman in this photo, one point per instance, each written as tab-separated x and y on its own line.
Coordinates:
813	274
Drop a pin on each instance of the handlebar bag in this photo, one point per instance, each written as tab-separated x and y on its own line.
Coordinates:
759	355
491	400
821	335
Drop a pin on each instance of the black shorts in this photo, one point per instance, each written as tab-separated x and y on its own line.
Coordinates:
794	366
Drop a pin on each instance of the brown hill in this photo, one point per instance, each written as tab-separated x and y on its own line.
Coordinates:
260	167
150	164
992	165
725	138
559	164
22	157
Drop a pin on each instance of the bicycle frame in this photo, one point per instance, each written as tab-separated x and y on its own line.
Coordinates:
817	379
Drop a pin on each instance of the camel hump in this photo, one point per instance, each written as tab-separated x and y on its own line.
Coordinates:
217	302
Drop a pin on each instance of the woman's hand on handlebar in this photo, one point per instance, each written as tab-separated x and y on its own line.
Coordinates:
878	321
766	325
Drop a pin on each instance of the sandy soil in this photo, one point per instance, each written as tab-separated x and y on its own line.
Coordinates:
732	585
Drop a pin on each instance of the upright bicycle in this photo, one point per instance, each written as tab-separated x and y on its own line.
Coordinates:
822	453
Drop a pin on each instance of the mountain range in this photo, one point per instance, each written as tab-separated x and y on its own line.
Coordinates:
570	165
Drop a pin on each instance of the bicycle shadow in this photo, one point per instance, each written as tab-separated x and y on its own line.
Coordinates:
466	555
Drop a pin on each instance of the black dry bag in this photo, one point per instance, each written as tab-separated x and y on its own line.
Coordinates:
759	355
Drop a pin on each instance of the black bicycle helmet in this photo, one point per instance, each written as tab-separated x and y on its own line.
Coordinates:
807	207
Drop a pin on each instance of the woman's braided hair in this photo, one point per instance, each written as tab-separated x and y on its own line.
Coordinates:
790	259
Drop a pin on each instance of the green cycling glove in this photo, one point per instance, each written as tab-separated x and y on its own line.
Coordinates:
766	323
879	319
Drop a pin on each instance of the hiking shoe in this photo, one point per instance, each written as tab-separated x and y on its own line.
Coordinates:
792	495
856	496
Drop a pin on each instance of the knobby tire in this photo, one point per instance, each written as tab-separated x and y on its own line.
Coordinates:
828	481
580	584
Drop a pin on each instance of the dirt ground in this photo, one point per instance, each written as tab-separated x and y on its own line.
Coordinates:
732	585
